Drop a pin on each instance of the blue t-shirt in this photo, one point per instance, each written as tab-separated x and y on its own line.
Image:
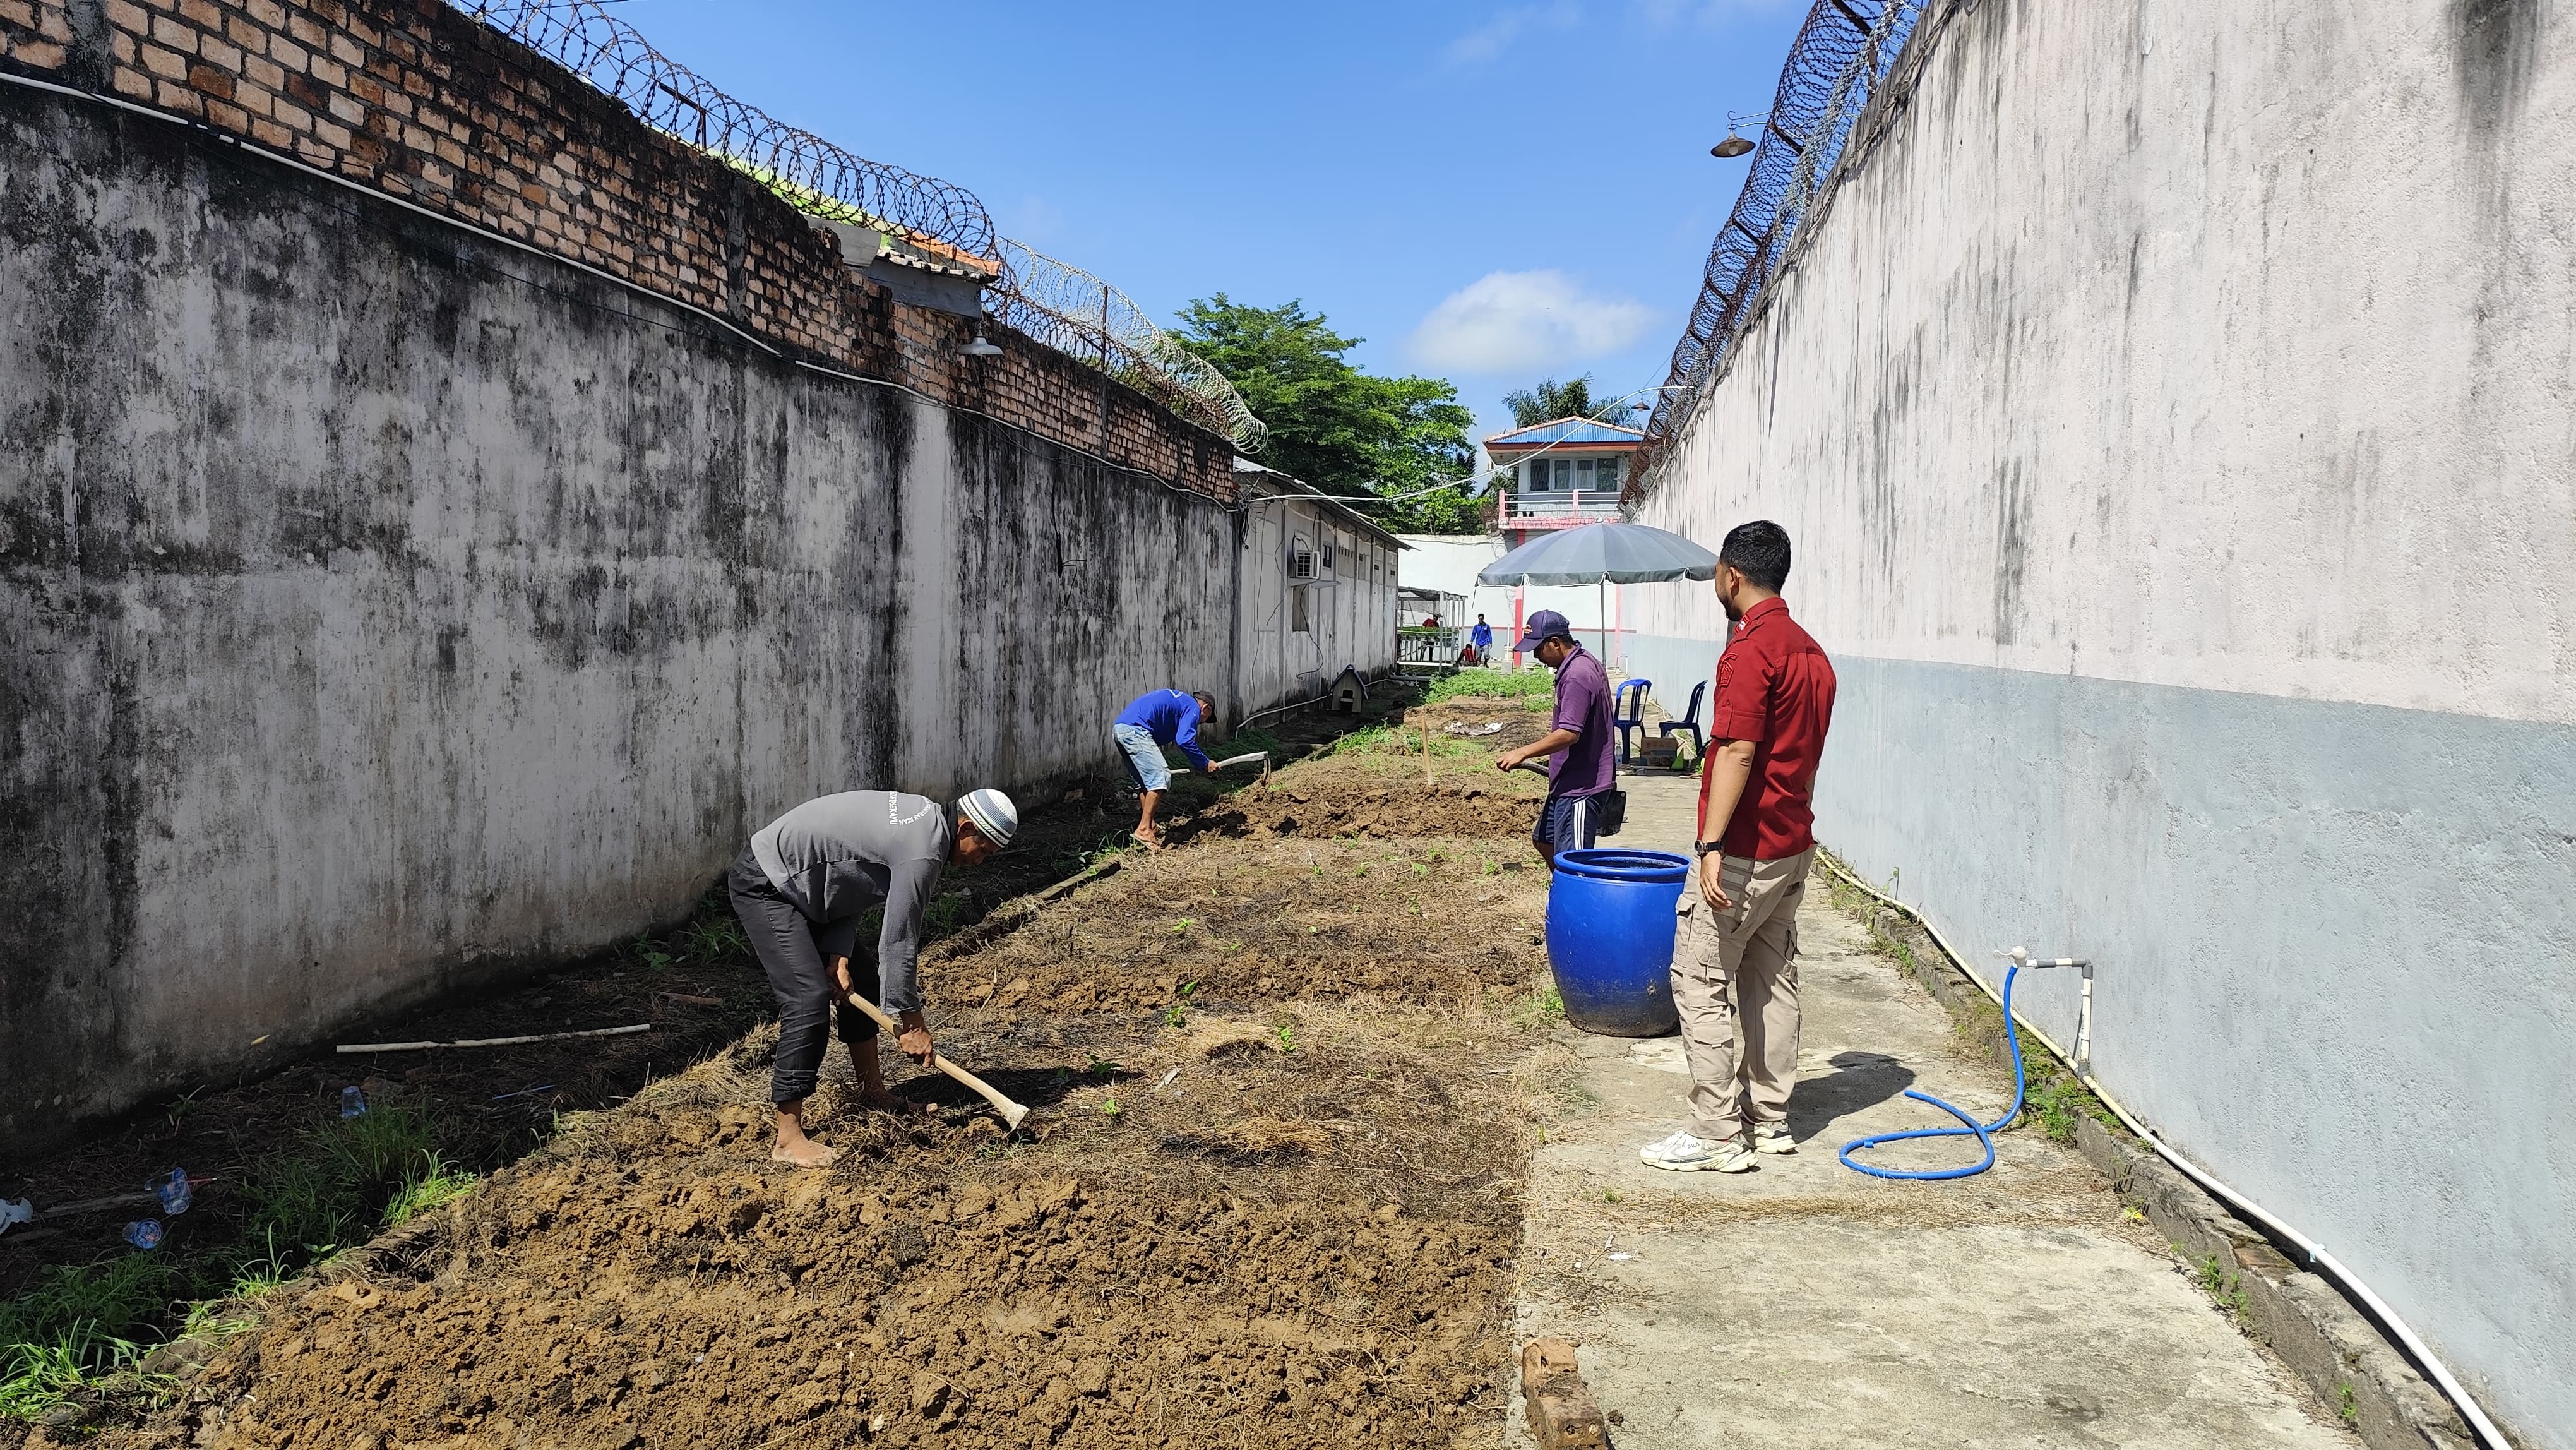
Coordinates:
1482	636
1172	716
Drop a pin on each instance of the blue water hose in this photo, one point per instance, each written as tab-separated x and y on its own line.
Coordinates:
1984	1131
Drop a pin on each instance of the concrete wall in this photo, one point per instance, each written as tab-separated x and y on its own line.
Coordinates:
2173	414
387	606
1350	609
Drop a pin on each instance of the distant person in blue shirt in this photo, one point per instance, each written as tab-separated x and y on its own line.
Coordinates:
1482	637
1151	721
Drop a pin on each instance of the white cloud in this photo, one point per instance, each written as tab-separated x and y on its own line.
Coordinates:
1495	36
1518	322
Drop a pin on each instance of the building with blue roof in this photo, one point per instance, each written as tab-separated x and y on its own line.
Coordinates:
1560	473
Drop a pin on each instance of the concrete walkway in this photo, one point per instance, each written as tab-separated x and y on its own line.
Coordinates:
1807	1305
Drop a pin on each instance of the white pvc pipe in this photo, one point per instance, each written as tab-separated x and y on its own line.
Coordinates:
2450	1384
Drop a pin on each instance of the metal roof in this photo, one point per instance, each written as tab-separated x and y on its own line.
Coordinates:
1299	488
1568	432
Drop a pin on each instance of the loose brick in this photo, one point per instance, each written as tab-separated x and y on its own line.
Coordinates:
209	81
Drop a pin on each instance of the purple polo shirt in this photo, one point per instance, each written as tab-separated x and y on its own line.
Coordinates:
1582	705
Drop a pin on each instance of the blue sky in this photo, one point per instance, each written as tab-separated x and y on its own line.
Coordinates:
1486	193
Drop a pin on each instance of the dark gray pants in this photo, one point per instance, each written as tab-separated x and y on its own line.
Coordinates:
797	954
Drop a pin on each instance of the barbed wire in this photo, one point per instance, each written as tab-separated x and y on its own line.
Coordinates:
1084	317
1054	302
807	170
1835	66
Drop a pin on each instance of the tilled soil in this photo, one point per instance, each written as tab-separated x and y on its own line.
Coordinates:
1237	921
1269	1195
1229	1235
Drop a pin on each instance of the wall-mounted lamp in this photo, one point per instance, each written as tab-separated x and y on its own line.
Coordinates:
1734	145
979	347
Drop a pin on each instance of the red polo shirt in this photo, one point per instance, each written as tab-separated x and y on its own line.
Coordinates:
1775	688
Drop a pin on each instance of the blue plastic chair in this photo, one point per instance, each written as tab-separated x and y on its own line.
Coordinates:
1689	723
1628	713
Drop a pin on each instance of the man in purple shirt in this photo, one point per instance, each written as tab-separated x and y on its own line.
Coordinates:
1581	731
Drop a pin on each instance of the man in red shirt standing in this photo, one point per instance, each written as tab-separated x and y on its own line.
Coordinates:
1735	970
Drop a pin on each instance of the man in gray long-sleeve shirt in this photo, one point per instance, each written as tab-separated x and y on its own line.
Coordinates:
800	887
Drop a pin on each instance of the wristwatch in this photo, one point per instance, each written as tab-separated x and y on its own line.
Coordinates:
1703	848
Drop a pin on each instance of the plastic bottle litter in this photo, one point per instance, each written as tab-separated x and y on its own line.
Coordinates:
353	1103
172	1189
144	1233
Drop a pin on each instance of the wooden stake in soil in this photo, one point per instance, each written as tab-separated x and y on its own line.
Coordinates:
1011	1112
492	1041
1426	753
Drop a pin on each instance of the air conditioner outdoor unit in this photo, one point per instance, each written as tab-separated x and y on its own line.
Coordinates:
1301	565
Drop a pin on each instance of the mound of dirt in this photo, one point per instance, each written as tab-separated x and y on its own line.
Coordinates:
1248	921
1368	803
1289	1243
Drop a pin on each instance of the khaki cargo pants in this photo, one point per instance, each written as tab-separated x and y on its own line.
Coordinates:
1735	983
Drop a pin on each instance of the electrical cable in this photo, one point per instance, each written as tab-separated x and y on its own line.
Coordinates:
1984	1131
2397	1327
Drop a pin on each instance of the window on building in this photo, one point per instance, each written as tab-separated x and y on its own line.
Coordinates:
1297	610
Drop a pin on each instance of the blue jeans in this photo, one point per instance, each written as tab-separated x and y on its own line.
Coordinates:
1145	764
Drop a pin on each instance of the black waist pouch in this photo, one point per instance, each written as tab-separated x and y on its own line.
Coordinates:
1609	812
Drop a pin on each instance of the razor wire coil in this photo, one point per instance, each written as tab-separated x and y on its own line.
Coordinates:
808	171
1836	66
1078	314
1054	302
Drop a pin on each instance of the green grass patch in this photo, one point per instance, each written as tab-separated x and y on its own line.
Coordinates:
1486	684
82	1328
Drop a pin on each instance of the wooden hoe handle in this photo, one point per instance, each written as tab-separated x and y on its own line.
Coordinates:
1011	1112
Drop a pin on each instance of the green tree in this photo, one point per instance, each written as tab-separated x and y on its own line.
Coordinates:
1345	431
1552	400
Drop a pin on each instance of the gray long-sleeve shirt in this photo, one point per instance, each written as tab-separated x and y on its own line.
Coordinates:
837	855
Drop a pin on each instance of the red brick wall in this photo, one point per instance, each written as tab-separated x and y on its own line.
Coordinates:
415	100
34	33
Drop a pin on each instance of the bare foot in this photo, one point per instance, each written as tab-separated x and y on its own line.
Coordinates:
804	1153
886	1102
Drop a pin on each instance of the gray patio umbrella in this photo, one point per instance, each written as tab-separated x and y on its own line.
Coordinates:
1614	553
1602	554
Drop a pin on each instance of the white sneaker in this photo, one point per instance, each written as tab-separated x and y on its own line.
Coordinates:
1773	1138
1685	1153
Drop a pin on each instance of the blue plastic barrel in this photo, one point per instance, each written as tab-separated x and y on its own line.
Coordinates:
1610	939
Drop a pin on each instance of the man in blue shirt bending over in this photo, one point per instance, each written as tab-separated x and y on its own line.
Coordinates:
1151	721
